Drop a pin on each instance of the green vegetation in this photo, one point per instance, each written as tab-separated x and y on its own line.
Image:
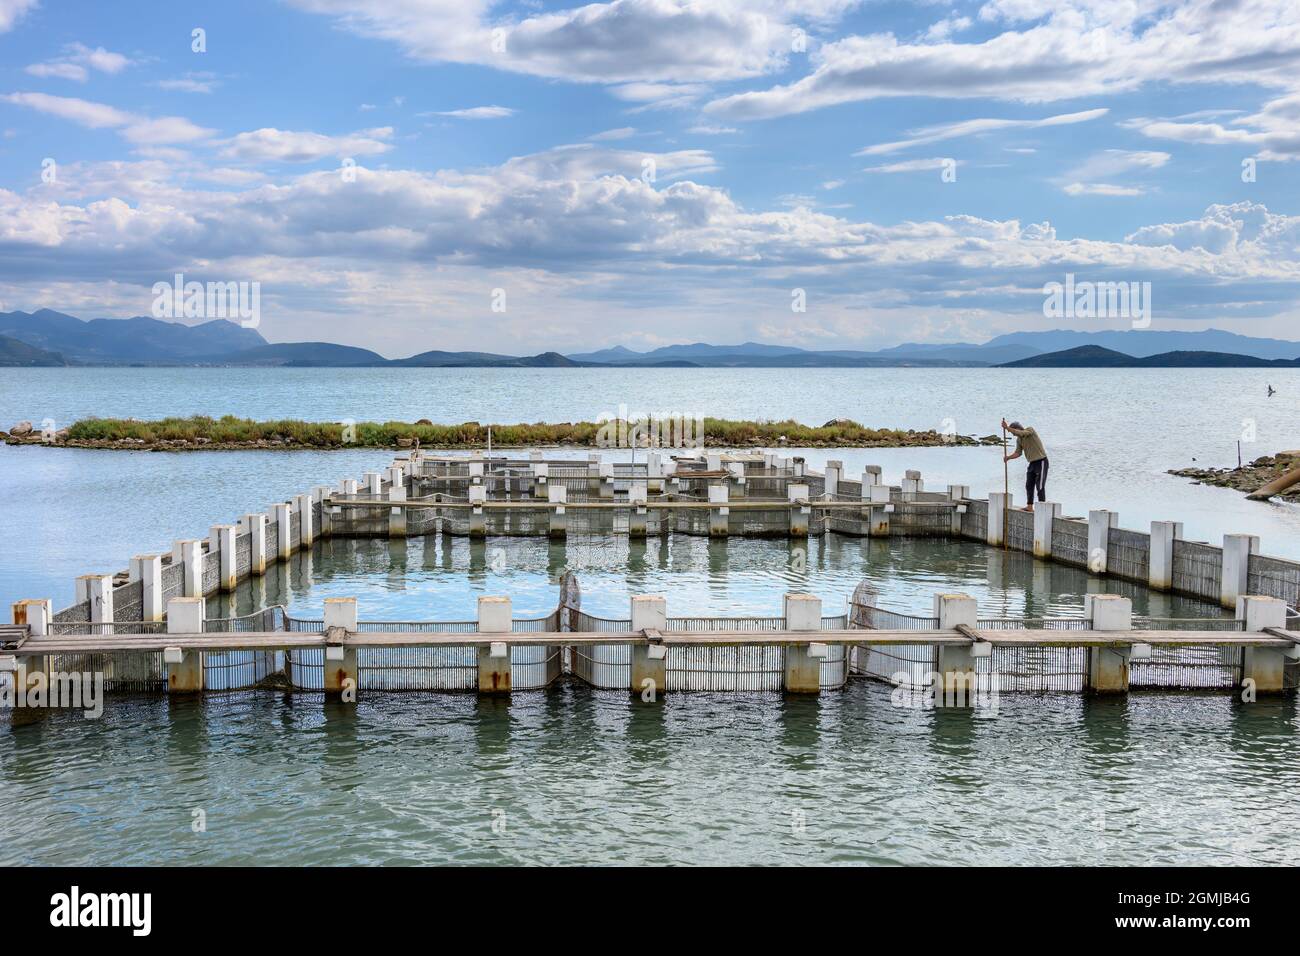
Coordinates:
227	432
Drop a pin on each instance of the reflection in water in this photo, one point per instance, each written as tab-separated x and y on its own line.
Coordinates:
575	775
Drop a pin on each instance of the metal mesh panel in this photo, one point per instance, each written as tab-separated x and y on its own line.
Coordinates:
1187	667
1128	554
1198	568
904	665
243	554
975	522
173	582
417	668
738	668
1070	541
124	671
1274	577
1035	669
128	601
1020	530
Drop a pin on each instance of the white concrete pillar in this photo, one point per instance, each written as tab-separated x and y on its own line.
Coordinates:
320	493
189	555
1100	521
397	516
1160	562
1265	667
1108	666
834	471
1237	549
557	494
307	532
147	569
912	484
1045	515
36	613
879	496
283	529
649	661
958	495
799	513
872	475
255	525
495	616
340	672
541	475
97	591
374	483
803	672
477	519
1000	503
184	665
955	662
225	554
719	515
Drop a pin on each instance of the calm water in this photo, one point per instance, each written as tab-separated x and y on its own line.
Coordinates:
573	775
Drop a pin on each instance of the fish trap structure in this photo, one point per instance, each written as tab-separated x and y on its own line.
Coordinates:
145	628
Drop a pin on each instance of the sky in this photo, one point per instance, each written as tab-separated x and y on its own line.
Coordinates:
405	175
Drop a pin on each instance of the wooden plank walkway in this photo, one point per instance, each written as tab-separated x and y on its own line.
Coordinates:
289	640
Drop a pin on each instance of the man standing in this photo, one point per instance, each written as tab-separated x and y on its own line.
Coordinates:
1031	446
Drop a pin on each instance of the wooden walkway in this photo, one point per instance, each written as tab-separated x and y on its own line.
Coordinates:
289	640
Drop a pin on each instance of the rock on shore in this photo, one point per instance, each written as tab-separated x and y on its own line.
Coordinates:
1248	478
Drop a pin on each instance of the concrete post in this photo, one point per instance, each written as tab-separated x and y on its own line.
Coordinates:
649	671
477	520
184	666
872	475
558	522
1045	515
719	516
999	504
188	555
1237	549
955	662
147	569
97	591
637	516
912	485
879	495
803	673
541	475
957	494
834	471
1264	666
340	672
36	613
224	535
255	525
605	479
374	483
1108	666
736	481
397	516
1160	573
283	513
799	513
494	617
320	493
1100	521
307	533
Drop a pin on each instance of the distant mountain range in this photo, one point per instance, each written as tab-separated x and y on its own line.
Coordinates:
46	337
1094	356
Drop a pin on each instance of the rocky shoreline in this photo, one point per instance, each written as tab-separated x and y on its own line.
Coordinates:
1248	478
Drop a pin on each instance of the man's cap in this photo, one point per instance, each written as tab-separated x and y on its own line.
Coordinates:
1016	425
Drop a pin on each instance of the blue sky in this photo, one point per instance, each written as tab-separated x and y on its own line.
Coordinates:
645	172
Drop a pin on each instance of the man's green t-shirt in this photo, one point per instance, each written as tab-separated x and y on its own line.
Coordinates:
1031	445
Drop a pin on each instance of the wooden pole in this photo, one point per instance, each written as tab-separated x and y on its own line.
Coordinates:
1006	490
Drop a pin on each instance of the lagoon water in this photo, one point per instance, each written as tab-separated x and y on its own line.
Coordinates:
574	775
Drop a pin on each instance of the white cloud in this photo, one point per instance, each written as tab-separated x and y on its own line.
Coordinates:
136	129
1051	51
707	130
77	62
613	42
972	127
290	146
912	165
190	83
1100	189
11	11
476	112
623	132
1272	134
